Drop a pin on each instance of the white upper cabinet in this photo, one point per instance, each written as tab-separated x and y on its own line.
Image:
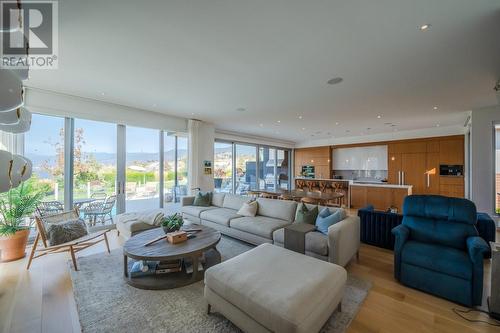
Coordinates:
360	158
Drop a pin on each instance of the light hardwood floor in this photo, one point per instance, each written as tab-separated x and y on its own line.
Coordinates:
41	300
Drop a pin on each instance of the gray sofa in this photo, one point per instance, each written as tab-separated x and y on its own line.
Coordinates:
338	247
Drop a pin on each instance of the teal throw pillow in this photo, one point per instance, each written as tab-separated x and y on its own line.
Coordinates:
203	199
306	215
325	219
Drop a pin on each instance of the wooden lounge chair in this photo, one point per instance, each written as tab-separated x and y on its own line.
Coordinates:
71	247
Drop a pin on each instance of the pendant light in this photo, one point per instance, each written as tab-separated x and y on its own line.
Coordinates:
23	123
5	170
20	171
11	93
15	116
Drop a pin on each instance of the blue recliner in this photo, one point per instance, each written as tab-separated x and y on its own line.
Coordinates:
438	249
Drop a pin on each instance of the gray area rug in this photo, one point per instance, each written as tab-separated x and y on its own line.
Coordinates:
107	304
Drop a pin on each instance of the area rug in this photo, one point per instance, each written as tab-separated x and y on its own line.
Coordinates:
107	304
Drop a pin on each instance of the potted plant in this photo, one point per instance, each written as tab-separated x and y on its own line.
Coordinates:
15	205
172	223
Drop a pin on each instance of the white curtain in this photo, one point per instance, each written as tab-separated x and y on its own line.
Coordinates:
13	143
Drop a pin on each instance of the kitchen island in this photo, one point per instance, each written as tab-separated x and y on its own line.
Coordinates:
381	196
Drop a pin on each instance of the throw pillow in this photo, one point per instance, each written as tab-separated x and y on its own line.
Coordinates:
59	233
203	199
306	215
326	219
249	209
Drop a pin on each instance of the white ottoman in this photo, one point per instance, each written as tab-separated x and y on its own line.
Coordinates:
271	289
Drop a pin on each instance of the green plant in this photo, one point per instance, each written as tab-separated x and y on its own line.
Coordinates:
497	211
16	204
172	222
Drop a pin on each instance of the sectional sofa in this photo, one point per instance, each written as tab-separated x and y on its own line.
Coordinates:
339	246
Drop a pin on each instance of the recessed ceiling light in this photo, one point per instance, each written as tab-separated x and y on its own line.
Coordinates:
335	80
303	128
241	109
102	94
424	27
279	121
192	113
379	116
435	108
300	117
437	125
337	123
261	125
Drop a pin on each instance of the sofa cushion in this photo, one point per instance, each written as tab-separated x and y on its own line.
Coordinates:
218	199
195	210
259	225
234	201
326	219
316	242
203	199
343	212
442	259
306	215
219	215
278	209
280	289
249	208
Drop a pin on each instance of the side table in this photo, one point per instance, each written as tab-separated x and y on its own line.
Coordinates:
295	235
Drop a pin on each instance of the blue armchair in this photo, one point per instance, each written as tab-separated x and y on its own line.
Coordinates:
438	250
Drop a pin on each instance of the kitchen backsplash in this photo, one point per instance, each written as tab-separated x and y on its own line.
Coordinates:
355	174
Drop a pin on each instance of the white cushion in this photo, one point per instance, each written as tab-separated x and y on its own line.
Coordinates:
219	215
259	225
195	210
248	209
278	209
234	201
218	199
282	290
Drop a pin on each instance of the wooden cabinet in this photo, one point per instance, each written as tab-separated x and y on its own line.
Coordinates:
452	186
413	167
394	168
380	197
432	174
451	151
317	156
419	162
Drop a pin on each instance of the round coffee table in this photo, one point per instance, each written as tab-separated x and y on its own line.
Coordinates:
203	244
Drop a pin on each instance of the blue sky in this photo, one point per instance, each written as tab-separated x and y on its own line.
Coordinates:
100	137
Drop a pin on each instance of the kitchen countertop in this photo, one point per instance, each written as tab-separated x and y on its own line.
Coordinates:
325	179
382	185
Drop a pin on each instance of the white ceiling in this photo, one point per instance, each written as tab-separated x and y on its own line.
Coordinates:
205	59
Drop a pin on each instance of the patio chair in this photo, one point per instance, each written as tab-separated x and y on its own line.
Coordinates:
100	209
46	208
99	195
72	247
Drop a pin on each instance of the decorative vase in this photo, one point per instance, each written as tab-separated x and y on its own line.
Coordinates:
13	247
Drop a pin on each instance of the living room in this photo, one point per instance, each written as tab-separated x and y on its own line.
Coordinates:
169	166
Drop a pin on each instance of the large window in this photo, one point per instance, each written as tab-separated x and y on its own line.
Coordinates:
223	167
143	169
44	146
246	168
267	168
250	167
175	167
94	162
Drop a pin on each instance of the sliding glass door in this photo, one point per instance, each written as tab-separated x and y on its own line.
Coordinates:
246	168
223	167
44	146
94	161
142	183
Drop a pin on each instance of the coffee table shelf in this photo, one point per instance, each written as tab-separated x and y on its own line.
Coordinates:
203	244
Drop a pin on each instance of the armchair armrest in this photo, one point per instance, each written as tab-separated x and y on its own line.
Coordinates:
401	233
187	201
343	240
476	246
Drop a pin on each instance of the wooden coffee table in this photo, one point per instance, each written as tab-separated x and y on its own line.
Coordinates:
203	244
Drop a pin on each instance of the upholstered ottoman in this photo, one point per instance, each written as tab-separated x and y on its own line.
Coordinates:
271	289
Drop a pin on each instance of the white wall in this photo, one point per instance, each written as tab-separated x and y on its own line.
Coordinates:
483	157
201	138
238	137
